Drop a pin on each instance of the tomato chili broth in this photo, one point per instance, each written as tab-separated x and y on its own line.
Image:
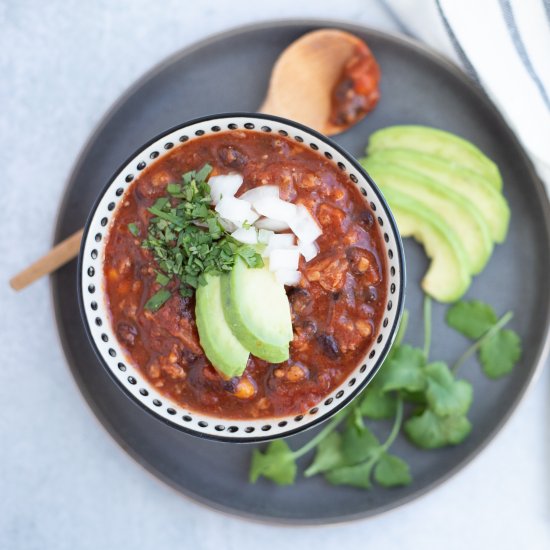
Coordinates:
336	310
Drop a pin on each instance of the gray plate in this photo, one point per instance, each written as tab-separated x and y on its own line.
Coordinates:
229	72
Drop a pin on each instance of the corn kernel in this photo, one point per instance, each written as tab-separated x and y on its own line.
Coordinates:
245	389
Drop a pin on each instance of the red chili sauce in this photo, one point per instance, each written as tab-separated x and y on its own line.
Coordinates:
356	93
336	309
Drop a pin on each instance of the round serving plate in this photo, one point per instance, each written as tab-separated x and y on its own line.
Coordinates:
97	318
417	87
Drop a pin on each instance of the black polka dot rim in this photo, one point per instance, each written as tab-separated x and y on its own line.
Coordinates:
129	377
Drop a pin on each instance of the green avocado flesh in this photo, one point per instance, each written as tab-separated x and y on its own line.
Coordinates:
227	355
475	188
443	144
447	277
459	214
256	309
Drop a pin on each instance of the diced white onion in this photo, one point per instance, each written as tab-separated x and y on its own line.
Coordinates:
289	277
224	186
264	235
308	250
273	225
284	258
262	192
304	226
236	211
277	215
247	235
279	241
276	209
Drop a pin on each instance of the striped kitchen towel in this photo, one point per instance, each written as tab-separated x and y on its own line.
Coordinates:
505	46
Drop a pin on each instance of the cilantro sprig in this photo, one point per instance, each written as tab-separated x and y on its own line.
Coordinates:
498	349
187	239
425	399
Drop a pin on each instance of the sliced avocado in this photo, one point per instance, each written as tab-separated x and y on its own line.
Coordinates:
447	278
257	310
227	355
440	143
459	214
490	203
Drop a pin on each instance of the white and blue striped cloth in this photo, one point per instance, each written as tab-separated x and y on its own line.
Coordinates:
505	46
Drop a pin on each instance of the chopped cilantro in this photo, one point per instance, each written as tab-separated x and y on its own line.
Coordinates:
162	279
134	229
158	299
187	238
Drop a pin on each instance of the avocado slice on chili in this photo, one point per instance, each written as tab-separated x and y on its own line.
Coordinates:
227	355
256	308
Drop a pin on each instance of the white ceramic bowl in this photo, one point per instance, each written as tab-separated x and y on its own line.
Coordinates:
129	377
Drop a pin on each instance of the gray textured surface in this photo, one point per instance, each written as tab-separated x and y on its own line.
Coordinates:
64	482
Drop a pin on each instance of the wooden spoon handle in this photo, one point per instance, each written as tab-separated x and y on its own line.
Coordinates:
59	255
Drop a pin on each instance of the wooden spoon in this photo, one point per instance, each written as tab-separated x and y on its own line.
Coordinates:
304	76
300	88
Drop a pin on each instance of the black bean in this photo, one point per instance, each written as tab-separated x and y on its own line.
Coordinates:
366	219
232	157
300	301
307	327
371	294
126	333
231	384
329	346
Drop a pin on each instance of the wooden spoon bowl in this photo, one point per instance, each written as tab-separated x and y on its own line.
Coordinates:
305	75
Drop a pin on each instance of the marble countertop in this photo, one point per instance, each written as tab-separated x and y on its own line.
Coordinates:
64	483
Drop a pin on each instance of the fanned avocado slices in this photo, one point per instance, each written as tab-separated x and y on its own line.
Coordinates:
460	215
471	185
447	277
445	145
256	309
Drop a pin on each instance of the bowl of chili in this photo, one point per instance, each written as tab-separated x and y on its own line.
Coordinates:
137	297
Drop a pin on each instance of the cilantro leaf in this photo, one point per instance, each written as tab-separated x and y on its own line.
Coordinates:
416	397
472	318
328	455
445	395
162	279
173	188
356	419
250	256
358	445
392	471
403	371
276	463
134	229
500	353
157	300
203	173
377	404
356	476
430	431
